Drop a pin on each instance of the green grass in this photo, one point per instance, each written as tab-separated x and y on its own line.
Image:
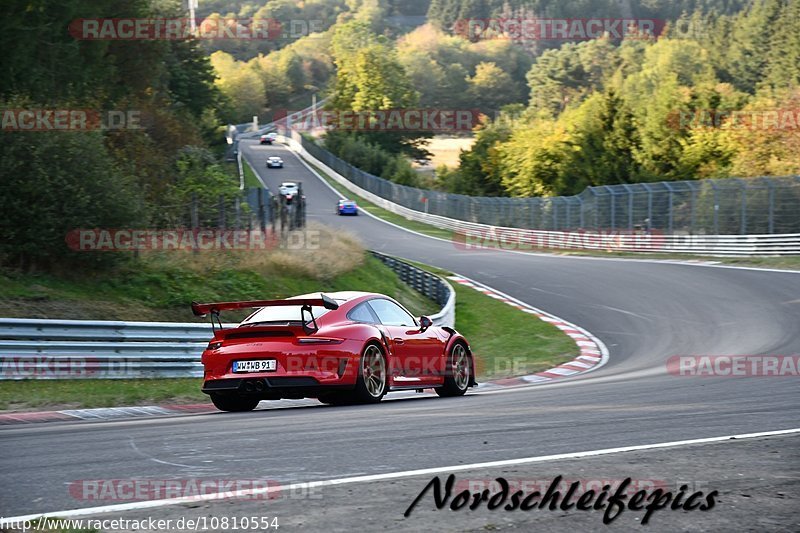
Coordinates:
250	178
85	393
155	289
788	263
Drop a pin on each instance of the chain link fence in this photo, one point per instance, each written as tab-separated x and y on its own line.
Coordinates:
750	206
250	210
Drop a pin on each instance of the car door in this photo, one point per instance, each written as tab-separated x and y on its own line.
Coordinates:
418	352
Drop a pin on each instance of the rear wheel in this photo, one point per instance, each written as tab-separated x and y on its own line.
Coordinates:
459	371
233	403
372	376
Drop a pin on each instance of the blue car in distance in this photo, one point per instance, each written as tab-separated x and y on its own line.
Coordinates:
346	207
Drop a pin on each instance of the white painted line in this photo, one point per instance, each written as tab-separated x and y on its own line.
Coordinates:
5	521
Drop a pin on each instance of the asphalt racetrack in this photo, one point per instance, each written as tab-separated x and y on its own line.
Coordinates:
644	311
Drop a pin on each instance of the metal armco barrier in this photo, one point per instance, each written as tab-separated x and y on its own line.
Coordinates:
428	284
81	349
476	235
78	349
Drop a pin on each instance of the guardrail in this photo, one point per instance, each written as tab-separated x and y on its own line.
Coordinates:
79	349
474	235
431	285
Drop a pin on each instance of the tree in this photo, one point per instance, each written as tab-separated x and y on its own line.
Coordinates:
480	169
369	75
241	85
491	88
605	142
61	182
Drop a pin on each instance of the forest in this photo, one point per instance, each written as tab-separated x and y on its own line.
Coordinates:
714	95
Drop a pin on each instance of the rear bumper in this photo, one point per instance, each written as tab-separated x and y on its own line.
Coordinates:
271	388
301	371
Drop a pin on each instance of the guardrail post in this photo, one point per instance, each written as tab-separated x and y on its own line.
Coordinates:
771	208
649	206
669	209
716	207
262	222
555	213
630	209
743	221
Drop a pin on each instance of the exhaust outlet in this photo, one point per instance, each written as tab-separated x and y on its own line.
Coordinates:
260	386
248	387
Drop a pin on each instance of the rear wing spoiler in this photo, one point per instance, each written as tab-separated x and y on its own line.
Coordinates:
202	310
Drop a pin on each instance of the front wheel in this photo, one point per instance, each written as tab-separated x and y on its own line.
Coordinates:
233	403
372	376
459	371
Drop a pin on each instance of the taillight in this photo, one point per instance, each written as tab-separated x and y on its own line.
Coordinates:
319	340
214	345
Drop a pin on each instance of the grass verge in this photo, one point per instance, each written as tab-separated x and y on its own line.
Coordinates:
86	393
250	178
160	286
782	262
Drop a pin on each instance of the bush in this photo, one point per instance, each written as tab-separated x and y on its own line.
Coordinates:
371	158
55	182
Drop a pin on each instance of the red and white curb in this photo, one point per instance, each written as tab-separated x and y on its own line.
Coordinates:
593	353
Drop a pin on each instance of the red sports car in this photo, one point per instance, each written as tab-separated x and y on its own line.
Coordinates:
343	347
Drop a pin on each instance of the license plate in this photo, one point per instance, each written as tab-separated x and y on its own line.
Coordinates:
255	365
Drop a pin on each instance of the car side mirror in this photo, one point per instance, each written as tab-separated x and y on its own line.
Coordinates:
424	323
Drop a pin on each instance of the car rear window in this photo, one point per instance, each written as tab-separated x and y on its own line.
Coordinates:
289	313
